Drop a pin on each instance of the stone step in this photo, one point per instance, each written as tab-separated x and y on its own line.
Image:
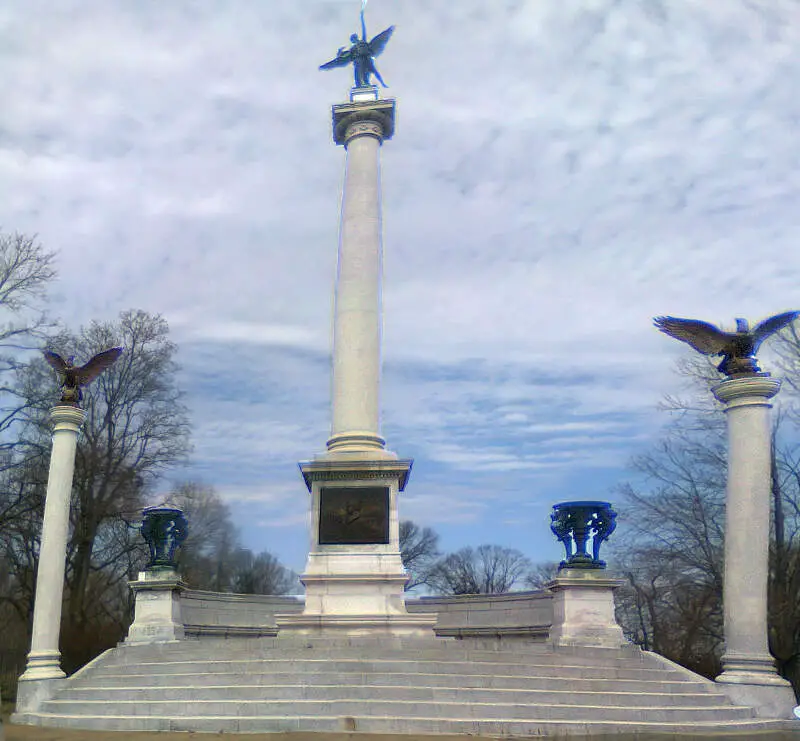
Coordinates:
399	679
130	656
400	724
375	664
410	709
389	692
384	666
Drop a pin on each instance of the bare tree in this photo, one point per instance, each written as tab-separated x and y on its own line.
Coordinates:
136	427
261	574
207	554
212	557
26	269
487	569
419	548
541	574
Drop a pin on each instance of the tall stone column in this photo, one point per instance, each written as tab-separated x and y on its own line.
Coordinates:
748	667
44	659
354	577
361	127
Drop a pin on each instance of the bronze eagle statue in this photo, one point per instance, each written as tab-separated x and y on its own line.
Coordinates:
737	348
74	377
361	54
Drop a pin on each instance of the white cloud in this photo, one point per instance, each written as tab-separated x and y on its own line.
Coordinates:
562	171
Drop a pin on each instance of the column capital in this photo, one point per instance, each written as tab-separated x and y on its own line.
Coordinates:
747	391
67	417
370	118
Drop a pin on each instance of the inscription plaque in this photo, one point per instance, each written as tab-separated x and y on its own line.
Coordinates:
353	515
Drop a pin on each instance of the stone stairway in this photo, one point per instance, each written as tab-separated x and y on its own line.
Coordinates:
389	686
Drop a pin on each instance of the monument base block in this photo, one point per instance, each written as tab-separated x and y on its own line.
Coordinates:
157	616
768	700
354	577
32	692
583	609
418	626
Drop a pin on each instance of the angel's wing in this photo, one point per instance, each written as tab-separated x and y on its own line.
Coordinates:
764	329
702	336
101	361
378	44
342	60
56	361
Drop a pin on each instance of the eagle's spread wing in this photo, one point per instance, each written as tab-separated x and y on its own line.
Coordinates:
101	361
702	336
764	329
378	44
56	362
342	60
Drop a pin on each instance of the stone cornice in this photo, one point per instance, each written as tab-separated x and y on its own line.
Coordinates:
359	470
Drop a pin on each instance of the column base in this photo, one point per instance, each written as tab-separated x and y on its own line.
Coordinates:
752	680
33	692
43	665
750	669
357	443
768	700
157	612
583	610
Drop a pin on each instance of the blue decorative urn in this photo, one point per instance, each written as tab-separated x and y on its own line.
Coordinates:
577	523
164	528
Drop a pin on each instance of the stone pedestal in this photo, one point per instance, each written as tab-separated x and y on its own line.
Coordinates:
583	609
157	611
747	661
354	577
44	659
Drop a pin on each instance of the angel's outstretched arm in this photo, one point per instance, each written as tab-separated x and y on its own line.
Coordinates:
363	25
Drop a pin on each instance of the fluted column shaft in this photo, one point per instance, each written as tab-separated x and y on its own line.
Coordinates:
747	658
44	659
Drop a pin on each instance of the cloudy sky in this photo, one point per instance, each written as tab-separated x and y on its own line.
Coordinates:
562	171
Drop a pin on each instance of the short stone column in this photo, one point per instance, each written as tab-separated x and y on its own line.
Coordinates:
747	661
157	591
43	671
583	596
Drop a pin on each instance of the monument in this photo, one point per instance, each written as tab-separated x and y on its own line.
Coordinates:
356	655
354	577
748	669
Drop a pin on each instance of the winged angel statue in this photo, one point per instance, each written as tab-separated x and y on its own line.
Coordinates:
73	377
361	54
737	348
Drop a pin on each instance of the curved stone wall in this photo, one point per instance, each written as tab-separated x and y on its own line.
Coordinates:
517	615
